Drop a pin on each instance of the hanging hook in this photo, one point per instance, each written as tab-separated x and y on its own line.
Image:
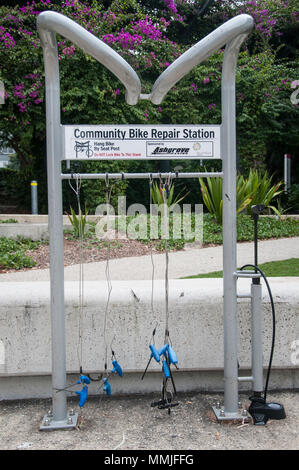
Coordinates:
77	189
154	332
111	345
160	178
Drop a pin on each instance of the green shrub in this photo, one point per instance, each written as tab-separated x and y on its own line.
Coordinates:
212	196
257	188
293	198
78	222
159	198
13	252
8	221
260	189
16	260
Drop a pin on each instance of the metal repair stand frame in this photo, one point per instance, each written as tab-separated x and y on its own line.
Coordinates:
231	34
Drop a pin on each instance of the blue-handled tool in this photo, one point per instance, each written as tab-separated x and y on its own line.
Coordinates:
155	353
116	368
172	355
162	350
83	395
165	369
107	386
84	392
83	379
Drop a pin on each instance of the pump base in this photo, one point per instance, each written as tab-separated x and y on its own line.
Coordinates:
262	411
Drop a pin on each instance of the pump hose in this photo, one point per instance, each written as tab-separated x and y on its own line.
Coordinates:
273	322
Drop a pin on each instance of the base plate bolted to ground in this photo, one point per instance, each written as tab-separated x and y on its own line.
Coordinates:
48	423
222	415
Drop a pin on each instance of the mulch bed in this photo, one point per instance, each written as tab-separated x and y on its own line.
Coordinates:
91	253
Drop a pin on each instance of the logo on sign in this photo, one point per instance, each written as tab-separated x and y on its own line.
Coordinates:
197	147
81	147
170	151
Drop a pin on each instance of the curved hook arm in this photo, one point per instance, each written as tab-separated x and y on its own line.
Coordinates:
241	25
50	21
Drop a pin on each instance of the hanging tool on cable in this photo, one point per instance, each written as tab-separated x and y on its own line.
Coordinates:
165	355
83	380
116	368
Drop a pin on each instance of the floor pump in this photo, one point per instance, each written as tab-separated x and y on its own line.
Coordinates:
259	409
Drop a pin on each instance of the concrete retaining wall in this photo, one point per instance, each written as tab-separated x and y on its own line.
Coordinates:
30	226
195	323
33	231
34	227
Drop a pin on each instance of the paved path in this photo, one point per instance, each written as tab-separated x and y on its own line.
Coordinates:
181	263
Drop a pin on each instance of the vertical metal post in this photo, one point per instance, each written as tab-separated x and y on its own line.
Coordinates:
2	93
48	24
256	313
256	337
255	238
34	199
54	149
228	142
287	172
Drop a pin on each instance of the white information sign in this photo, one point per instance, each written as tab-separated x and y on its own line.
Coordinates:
148	142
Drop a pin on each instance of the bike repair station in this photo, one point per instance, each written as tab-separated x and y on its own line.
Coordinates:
66	143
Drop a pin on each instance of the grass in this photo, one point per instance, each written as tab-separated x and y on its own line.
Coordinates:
285	268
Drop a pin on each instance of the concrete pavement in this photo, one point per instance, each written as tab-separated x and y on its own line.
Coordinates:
188	262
